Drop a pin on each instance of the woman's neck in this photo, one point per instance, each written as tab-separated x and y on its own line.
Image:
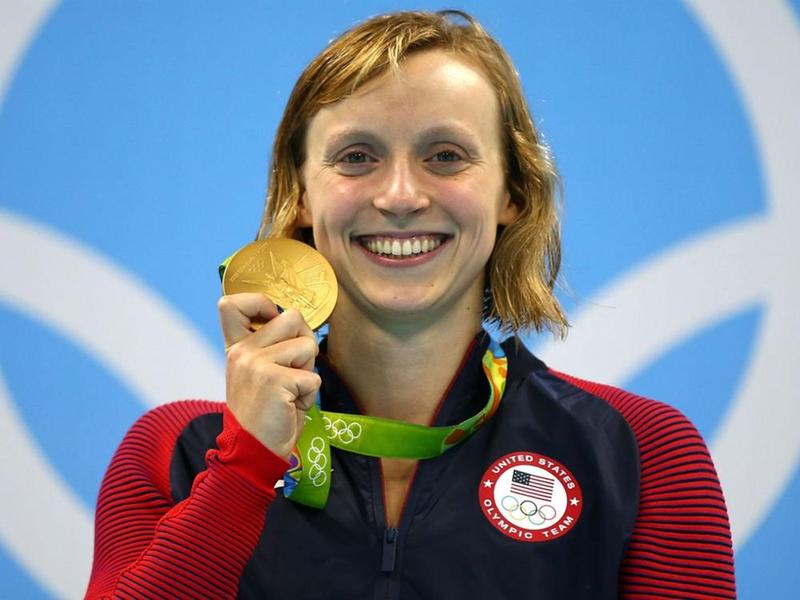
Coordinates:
400	372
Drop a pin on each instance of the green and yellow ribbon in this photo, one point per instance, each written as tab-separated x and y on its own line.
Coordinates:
308	480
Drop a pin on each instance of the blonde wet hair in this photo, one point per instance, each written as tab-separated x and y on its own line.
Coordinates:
523	268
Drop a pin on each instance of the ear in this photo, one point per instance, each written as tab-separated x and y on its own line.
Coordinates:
303	212
509	212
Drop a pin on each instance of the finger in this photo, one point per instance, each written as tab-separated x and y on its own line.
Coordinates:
285	326
238	311
301	385
306	401
296	352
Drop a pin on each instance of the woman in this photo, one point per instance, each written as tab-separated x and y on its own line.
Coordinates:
408	158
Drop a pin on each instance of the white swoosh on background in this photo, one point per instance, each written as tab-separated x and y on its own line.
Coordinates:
660	303
27	17
45	525
760	43
669	298
120	321
128	329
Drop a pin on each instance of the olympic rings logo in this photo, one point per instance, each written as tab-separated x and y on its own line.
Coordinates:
341	430
317	473
528	510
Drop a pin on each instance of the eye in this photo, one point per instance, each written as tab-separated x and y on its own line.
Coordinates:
447	160
354	158
446	156
354	162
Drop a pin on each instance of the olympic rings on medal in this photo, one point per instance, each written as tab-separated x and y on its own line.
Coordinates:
317	460
341	430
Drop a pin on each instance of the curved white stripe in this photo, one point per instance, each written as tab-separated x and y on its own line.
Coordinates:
751	35
20	22
667	300
118	320
44	524
128	329
760	43
664	301
757	451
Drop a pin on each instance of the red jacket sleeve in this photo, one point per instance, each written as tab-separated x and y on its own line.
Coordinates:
681	545
146	546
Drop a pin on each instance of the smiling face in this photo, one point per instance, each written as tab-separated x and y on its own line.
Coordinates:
404	187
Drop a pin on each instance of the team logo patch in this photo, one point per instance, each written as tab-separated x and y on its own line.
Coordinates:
530	497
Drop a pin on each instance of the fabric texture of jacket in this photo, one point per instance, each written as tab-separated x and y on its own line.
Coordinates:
572	490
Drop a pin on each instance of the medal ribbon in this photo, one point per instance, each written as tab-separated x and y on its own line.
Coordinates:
308	479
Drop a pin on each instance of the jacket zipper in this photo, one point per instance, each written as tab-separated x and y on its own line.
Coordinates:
389	555
391	536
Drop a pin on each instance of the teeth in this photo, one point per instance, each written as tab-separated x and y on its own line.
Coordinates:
401	248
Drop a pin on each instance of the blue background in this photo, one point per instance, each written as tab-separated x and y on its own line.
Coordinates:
144	130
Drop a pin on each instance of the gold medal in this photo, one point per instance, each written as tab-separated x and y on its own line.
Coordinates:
292	274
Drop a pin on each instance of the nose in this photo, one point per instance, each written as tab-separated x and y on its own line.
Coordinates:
402	194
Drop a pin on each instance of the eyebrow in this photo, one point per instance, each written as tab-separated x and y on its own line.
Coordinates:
440	133
450	133
348	137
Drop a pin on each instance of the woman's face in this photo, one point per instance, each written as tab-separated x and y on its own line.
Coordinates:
404	187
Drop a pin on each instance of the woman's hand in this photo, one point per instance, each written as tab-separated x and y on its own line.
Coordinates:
270	379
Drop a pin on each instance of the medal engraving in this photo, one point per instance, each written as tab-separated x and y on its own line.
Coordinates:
291	273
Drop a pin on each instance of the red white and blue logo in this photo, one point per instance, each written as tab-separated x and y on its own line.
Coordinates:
530	497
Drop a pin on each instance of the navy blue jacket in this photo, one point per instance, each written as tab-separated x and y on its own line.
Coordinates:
572	490
445	547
